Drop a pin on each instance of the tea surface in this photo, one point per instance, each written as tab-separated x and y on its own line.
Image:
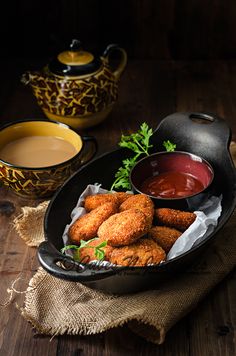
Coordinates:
37	151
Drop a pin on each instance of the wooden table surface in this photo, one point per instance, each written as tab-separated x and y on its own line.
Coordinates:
148	91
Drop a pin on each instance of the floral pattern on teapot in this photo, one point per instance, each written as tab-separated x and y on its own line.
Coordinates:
72	97
80	95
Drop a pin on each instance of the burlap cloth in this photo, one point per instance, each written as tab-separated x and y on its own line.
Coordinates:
54	306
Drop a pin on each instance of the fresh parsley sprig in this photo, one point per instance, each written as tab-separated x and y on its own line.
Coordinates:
139	143
169	146
98	250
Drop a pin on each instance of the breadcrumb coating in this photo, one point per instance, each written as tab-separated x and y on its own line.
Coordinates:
124	228
178	219
86	227
141	202
122	196
141	253
91	202
164	236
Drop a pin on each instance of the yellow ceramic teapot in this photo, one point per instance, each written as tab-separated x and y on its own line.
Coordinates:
77	88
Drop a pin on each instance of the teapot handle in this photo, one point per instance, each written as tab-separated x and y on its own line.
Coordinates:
123	61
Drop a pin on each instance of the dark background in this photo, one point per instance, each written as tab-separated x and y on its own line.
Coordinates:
147	29
181	57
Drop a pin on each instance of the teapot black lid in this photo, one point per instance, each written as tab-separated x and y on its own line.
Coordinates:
74	61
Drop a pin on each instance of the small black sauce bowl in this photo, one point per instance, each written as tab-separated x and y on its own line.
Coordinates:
177	161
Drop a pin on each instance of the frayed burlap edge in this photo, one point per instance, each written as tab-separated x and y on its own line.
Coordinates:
79	329
148	328
32	235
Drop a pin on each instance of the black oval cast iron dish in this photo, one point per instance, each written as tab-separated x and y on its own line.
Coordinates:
207	136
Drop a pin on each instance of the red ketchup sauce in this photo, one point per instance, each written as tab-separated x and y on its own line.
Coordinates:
171	185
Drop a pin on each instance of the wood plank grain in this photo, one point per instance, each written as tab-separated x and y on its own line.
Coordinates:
16	261
150	29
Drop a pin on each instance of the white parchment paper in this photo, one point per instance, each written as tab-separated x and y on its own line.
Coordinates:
205	222
79	210
207	219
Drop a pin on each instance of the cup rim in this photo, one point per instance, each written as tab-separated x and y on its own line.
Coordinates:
186	153
14	166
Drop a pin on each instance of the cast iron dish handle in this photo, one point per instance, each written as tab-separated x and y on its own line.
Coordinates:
217	127
90	148
204	130
210	126
65	267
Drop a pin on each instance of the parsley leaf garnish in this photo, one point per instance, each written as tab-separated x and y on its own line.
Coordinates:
98	250
169	146
139	143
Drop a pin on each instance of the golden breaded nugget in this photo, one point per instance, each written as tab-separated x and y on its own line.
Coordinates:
87	254
164	236
93	201
137	201
141	253
122	196
124	228
178	219
142	202
149	213
86	227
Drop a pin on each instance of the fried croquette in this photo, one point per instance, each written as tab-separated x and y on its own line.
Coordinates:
124	228
141	253
177	219
164	236
122	196
91	202
142	202
87	254
86	227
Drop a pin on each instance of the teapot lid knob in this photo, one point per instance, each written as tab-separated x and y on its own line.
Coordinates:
75	56
74	61
75	45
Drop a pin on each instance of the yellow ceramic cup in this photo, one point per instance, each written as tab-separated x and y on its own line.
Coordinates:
42	181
